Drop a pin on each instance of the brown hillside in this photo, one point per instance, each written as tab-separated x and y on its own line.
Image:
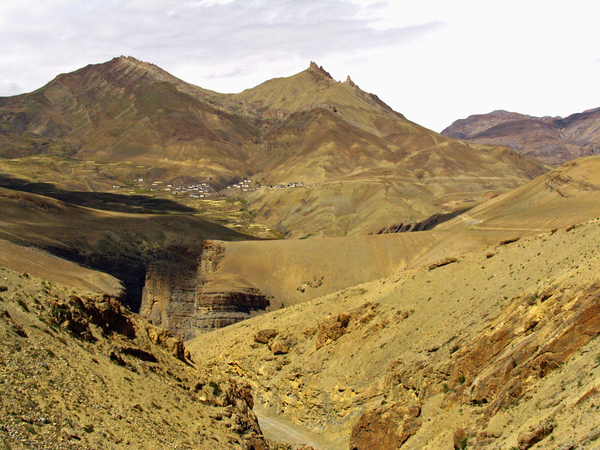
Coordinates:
108	126
121	244
80	372
564	196
485	350
56	270
293	271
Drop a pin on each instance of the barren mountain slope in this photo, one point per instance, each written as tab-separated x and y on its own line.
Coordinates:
553	140
121	244
494	350
293	271
363	165
79	372
266	275
568	194
108	126
129	110
57	270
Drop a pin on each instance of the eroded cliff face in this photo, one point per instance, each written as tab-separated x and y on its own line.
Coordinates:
184	296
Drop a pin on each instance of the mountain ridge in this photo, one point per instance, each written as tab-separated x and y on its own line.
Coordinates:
307	127
554	140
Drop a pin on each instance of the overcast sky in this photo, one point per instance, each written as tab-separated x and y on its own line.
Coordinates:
434	61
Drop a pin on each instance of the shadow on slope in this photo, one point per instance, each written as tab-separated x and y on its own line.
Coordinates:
120	244
137	204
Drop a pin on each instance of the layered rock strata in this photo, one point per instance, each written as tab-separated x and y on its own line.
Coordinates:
184	297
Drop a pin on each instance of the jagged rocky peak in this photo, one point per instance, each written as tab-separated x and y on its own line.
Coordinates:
121	71
350	82
130	60
319	69
135	66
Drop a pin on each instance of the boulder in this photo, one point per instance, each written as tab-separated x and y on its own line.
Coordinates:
445	262
534	435
460	439
280	346
165	338
264	336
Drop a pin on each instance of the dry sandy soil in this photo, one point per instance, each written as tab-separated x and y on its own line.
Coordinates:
77	371
407	334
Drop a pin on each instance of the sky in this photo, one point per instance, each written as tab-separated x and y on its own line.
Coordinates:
435	61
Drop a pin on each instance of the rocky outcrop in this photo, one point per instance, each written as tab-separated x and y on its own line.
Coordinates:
186	296
494	370
264	336
280	346
165	338
443	263
386	427
168	297
533	337
427	224
319	69
331	329
218	307
77	314
534	435
536	334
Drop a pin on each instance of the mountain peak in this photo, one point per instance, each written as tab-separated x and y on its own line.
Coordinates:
319	69
132	62
134	70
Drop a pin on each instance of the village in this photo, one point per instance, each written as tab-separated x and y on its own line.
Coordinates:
194	190
249	185
200	190
205	190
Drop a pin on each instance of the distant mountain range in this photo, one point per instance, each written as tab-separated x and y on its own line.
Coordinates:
553	140
363	166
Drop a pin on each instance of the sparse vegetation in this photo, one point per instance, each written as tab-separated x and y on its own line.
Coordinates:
23	304
216	389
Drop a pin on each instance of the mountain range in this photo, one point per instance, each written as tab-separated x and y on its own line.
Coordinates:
126	120
296	266
554	140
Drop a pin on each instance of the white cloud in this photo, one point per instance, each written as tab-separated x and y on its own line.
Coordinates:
433	60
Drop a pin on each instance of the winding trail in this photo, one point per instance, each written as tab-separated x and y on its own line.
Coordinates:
279	429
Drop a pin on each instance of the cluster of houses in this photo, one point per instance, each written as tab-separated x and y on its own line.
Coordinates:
203	190
244	186
249	185
293	184
198	190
